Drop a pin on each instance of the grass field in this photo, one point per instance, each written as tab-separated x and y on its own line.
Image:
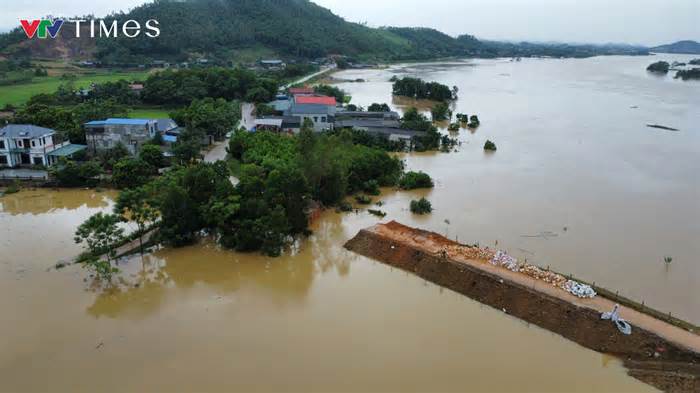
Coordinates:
149	113
19	94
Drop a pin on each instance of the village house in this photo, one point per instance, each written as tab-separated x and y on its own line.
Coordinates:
132	133
26	144
319	109
273	64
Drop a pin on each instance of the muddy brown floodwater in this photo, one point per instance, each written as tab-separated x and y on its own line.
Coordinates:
321	318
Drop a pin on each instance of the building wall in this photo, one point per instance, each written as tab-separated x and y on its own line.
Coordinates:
317	119
131	136
36	149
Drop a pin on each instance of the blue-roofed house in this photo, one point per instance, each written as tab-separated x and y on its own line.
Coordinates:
132	133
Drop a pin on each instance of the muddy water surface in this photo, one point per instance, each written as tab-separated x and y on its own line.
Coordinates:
203	319
579	182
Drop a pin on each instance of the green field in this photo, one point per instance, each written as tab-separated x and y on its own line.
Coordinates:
19	94
149	113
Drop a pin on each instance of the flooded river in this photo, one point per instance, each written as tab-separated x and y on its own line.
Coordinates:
324	319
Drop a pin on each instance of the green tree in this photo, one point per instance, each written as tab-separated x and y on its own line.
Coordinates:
136	206
421	206
152	155
441	111
131	172
100	233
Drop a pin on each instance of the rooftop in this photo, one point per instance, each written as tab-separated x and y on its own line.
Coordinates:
311	109
24	131
320	100
119	121
300	90
67	150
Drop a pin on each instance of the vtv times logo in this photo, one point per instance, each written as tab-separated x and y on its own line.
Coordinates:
45	28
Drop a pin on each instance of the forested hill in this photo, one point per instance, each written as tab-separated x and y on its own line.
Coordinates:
230	29
688	47
244	30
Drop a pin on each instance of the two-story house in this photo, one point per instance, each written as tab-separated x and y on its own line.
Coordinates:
132	133
319	109
25	144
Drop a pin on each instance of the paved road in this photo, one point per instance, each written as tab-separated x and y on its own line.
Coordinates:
306	78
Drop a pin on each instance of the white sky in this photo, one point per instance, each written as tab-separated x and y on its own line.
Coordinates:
649	22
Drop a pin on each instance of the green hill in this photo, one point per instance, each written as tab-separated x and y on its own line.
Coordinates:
688	47
246	30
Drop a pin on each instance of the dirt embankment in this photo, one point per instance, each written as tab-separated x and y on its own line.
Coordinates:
656	352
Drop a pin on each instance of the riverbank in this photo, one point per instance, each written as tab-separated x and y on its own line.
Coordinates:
654	346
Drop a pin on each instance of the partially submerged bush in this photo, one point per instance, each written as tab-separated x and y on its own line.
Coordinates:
363	199
421	206
489	146
371	187
412	180
377	213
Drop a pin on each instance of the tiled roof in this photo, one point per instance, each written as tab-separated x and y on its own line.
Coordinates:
24	131
320	100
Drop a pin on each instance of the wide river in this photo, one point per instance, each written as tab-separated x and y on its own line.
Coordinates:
578	183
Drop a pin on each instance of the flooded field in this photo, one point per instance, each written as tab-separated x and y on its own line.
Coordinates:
578	182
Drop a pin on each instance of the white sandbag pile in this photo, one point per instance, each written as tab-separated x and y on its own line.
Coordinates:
506	261
580	290
502	259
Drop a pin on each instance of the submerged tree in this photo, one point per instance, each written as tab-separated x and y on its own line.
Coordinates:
100	233
134	205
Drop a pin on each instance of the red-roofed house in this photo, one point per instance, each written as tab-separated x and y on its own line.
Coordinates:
319	109
318	100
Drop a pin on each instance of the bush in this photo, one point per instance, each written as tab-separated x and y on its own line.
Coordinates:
371	187
13	188
131	172
413	180
377	213
659	67
344	206
363	199
490	146
421	206
73	174
441	111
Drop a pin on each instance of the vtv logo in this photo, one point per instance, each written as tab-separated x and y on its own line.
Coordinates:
42	28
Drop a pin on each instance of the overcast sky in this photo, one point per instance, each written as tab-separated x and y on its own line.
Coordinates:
647	22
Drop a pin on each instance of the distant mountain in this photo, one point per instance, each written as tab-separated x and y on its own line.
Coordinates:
245	30
688	47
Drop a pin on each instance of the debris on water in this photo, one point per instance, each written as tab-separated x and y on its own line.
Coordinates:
662	127
100	345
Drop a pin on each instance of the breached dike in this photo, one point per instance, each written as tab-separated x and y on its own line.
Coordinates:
656	352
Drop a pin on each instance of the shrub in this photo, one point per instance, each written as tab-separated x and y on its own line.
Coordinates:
412	180
371	187
421	206
441	111
453	127
377	213
344	206
659	67
13	188
489	146
363	199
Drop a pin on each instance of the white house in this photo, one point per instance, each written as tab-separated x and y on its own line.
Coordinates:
319	109
25	144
